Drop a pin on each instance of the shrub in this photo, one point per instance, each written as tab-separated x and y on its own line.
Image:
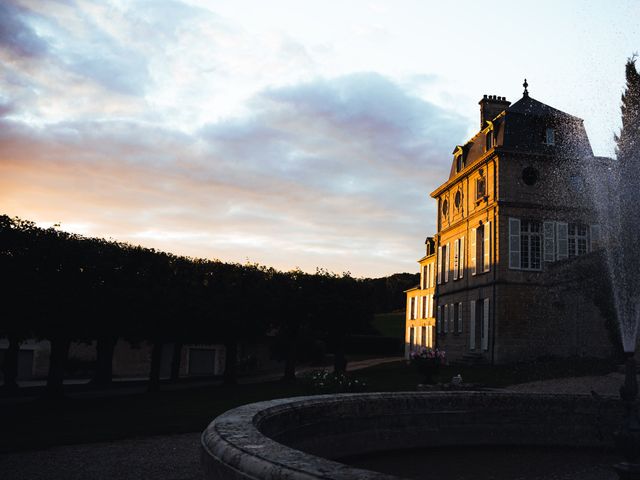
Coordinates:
323	381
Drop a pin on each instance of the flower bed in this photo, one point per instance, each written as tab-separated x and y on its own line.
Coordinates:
428	361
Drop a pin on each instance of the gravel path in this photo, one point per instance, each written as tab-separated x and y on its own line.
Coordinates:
602	384
173	457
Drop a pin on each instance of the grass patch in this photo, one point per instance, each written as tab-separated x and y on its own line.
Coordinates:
39	424
389	324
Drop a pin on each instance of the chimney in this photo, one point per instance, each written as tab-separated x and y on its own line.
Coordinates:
490	106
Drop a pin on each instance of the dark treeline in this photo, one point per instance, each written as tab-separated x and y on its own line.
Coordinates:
67	288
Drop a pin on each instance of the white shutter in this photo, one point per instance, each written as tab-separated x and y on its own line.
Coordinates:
456	257
447	254
474	251
426	307
446	318
433	274
461	265
460	317
562	232
549	241
452	320
514	243
439	318
485	325
487	247
595	237
472	325
439	265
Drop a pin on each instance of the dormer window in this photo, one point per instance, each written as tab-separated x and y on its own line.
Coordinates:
458	156
550	136
489	137
489	141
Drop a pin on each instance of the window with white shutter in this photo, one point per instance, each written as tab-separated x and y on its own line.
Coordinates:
577	239
461	263
432	305
452	317
456	257
514	243
487	247
460	317
412	339
549	241
447	253
562	240
472	325
485	325
473	251
439	265
446	318
439	319
530	245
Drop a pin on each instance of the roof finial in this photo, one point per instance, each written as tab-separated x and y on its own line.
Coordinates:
525	85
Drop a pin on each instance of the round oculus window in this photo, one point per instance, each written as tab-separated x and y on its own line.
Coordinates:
457	200
445	208
530	176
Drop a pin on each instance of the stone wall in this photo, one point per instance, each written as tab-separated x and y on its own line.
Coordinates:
299	437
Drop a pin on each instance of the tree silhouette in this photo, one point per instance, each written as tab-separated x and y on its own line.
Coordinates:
628	142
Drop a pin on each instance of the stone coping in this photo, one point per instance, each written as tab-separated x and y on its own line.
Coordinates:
295	438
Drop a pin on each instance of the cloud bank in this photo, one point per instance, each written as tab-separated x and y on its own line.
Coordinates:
118	136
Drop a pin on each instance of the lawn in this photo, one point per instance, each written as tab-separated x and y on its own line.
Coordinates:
38	424
389	324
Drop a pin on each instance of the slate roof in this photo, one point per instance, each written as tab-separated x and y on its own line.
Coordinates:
530	106
522	128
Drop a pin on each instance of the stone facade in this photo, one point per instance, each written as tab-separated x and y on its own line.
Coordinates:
514	217
420	318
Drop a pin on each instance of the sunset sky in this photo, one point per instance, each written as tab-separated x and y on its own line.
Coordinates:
289	133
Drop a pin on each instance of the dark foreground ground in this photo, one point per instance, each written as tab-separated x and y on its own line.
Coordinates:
495	463
156	435
170	457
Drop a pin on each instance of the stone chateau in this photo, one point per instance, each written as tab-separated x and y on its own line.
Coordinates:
514	223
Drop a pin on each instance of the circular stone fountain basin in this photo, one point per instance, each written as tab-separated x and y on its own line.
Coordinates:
300	437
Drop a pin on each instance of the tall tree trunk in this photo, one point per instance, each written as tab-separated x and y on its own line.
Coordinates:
175	361
57	363
104	360
231	362
156	361
10	365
